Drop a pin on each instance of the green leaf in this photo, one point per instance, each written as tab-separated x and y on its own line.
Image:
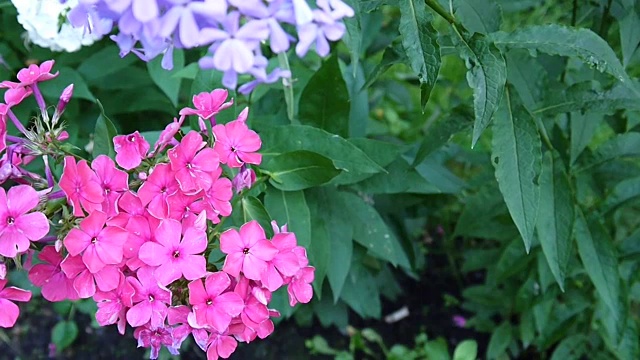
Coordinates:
298	170
500	340
52	89
393	54
555	216
437	349
600	261
370	231
345	155
527	76
583	127
205	80
487	76
420	43
517	158
104	63
400	177
381	152
320	252
252	209
582	97
103	135
324	102
570	348
479	16
165	79
466	350
561	40
629	34
329	205
624	191
361	291
439	133
359	104
63	334
623	145
290	208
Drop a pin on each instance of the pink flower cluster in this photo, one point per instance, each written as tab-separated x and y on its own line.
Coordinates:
139	230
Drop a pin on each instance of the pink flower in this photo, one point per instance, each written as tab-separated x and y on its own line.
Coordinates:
130	150
167	135
34	73
154	337
220	346
157	188
84	281
81	185
193	164
9	311
236	144
212	303
247	251
184	208
99	245
285	263
56	286
217	199
17	225
150	299
174	255
112	180
300	289
113	305
208	104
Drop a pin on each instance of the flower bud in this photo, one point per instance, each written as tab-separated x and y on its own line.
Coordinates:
65	97
244	180
3	271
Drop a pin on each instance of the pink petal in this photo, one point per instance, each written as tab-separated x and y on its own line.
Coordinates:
15	294
76	241
251	233
217	282
197	293
194	242
13	242
21	199
8	313
233	263
153	254
264	250
92	260
84	285
287	263
168	233
253	267
139	314
167	273
194	267
231	242
108	278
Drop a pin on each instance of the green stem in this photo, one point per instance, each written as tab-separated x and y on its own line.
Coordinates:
435	6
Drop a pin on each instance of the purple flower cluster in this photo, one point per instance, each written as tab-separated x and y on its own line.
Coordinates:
233	30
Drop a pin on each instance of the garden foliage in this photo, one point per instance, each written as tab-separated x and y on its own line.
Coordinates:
511	126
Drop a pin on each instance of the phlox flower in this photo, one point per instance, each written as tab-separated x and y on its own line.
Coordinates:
8	310
247	251
167	135
81	185
150	299
48	275
299	288
99	245
157	188
217	199
154	337
37	73
244	179
327	26
18	225
184	208
193	164
284	264
130	150
174	255
84	281
207	105
112	181
220	345
236	144
113	305
212	303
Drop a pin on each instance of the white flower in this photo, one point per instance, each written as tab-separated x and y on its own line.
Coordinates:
42	20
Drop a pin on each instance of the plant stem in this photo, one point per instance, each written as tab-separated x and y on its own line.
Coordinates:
435	6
